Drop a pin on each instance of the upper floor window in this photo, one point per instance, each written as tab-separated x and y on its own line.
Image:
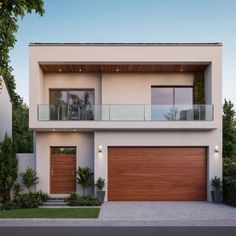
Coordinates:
76	104
172	95
172	103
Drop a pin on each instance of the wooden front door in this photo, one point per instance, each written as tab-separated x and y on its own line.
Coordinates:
63	170
157	173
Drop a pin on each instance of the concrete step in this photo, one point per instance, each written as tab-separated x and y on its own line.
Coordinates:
54	202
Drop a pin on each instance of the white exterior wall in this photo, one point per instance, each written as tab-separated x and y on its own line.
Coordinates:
84	143
25	160
171	138
135	88
5	112
71	81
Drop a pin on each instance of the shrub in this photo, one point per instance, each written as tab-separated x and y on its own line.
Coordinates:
8	169
17	189
100	184
85	178
44	196
229	193
9	206
29	178
30	200
76	200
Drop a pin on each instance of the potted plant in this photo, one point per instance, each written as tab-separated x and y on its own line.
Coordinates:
216	193
100	184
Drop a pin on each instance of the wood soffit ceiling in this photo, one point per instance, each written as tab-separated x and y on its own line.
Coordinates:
121	68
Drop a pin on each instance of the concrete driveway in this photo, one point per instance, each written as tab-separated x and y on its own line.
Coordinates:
170	213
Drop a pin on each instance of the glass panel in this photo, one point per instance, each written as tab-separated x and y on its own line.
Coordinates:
81	105
63	150
58	102
183	96
162	96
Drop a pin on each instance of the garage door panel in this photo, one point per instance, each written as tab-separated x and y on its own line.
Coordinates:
136	173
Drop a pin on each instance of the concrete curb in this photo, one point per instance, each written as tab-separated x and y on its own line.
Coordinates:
109	223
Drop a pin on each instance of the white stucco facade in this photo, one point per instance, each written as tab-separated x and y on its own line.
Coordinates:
5	111
122	89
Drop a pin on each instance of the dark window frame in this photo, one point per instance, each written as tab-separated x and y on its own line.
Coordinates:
174	86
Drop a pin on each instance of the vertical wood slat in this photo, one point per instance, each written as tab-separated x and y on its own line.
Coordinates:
62	173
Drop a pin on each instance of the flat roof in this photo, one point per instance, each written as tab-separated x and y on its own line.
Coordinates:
126	44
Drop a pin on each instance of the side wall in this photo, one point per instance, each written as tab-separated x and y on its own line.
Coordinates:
163	138
5	112
25	160
84	153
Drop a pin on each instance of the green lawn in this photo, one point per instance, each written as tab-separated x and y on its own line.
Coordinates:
51	213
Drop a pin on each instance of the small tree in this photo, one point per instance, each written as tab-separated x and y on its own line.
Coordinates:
85	178
229	130
8	168
29	178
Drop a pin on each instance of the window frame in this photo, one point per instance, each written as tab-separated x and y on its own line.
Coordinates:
67	91
173	87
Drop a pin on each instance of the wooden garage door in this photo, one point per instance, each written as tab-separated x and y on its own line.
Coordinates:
62	173
157	173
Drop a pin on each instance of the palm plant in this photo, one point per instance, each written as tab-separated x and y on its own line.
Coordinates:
100	183
29	178
85	178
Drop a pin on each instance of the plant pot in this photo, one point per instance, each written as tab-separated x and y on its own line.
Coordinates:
216	196
100	195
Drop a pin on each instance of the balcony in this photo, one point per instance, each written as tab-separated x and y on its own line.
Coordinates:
125	112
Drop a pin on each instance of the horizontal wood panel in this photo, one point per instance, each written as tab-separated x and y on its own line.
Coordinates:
63	179
121	68
141	173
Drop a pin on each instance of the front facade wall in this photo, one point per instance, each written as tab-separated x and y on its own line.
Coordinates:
133	88
159	139
84	153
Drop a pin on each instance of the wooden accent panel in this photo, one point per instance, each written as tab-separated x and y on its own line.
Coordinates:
121	68
62	173
157	173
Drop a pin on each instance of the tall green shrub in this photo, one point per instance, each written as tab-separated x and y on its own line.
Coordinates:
198	88
229	130
8	168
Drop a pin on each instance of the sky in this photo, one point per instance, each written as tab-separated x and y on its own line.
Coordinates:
136	21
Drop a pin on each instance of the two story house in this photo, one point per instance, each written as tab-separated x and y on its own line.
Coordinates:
146	117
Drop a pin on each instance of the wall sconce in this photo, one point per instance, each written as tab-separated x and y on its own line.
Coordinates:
216	148
100	154
100	148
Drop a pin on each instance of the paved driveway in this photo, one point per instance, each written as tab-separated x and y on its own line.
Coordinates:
170	213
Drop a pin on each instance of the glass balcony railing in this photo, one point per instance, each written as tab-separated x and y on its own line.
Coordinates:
126	113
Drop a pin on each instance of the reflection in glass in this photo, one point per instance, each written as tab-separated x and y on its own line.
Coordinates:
72	104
